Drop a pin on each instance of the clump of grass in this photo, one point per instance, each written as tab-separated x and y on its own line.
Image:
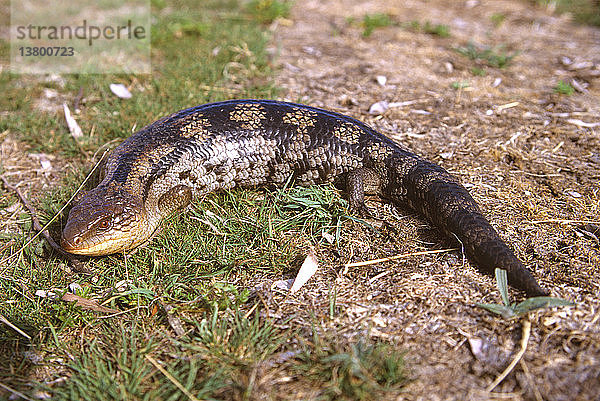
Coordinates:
267	11
436	29
223	296
493	57
111	368
460	85
477	71
497	19
357	371
564	88
222	354
234	340
429	28
215	361
371	22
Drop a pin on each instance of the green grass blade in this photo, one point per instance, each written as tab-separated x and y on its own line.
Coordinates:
504	311
534	303
502	283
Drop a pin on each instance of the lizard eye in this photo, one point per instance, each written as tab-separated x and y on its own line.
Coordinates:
103	224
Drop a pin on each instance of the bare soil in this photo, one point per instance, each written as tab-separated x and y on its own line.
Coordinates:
528	155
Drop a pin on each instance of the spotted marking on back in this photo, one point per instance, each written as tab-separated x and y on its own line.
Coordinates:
379	151
302	119
194	125
249	114
348	132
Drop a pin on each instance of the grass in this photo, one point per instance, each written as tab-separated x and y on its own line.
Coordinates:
583	11
356	371
267	11
492	57
564	88
211	363
480	72
497	19
198	264
222	48
440	30
111	367
460	85
201	261
370	22
512	310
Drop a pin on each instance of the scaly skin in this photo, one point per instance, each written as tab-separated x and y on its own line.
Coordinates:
246	143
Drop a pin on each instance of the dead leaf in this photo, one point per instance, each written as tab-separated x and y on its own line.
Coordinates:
120	90
87	304
307	270
74	128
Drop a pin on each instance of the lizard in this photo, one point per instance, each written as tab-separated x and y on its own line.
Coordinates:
247	143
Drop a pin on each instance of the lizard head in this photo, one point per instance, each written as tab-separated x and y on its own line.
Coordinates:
105	221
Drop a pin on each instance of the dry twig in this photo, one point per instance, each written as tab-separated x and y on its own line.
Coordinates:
37	225
43	230
172	379
517	358
15	392
15	328
404	255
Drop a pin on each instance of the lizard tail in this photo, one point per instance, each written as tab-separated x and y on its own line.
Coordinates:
433	191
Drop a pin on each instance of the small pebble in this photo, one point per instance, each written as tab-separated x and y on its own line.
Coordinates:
379	108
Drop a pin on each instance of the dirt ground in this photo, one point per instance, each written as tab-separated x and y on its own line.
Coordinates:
530	157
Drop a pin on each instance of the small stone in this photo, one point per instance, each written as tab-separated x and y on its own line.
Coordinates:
328	237
446	155
566	60
378	108
476	345
579	86
381	80
284	285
